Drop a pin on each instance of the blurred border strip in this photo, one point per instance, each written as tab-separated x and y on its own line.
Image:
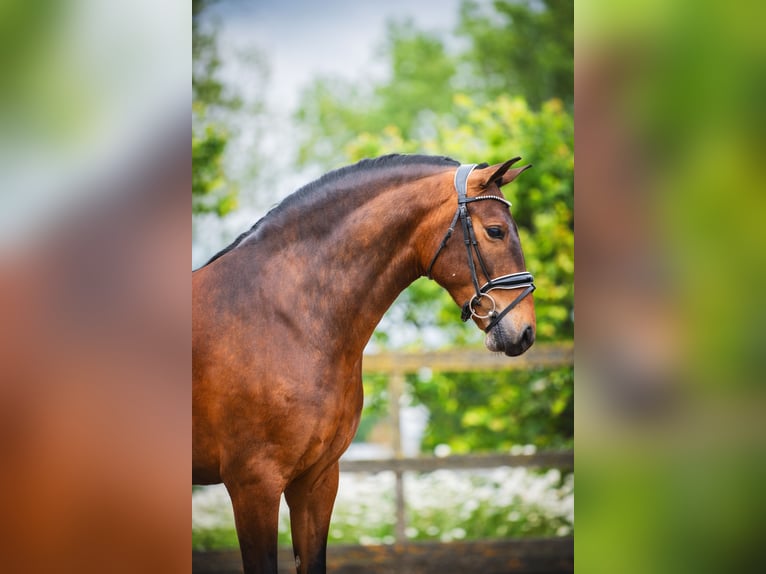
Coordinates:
671	251
95	233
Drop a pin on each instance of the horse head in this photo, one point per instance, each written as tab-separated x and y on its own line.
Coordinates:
483	267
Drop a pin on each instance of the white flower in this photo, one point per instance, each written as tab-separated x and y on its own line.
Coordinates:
411	532
442	450
458	533
539	385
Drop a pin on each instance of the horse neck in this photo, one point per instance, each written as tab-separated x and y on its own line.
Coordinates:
345	281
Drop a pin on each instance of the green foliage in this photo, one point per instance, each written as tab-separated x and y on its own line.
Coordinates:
207	87
484	411
210	194
331	108
415	89
522	47
214	538
211	190
474	412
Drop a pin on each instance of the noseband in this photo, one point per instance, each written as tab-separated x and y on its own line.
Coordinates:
512	281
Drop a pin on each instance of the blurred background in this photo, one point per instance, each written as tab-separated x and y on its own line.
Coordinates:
284	92
670	254
94	287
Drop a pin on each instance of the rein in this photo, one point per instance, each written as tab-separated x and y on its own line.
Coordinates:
511	281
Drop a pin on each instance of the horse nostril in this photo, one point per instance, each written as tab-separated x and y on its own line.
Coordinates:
528	336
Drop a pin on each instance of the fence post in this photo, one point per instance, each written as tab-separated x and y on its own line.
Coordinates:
395	391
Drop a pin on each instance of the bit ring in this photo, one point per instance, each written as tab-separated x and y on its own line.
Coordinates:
478	299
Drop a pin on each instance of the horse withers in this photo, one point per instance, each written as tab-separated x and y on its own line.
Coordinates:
282	315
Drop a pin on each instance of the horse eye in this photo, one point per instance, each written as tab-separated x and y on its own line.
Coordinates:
495	232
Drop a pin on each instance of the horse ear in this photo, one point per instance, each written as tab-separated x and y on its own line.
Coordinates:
502	174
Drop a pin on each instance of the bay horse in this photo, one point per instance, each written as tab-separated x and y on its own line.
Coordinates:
281	316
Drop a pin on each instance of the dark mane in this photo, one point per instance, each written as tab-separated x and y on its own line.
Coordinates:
346	177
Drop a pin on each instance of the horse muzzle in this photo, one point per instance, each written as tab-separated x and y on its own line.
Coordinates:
509	340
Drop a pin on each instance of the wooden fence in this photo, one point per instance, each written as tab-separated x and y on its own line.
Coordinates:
397	365
552	555
540	355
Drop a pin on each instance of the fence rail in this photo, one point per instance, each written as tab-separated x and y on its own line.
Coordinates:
540	355
563	460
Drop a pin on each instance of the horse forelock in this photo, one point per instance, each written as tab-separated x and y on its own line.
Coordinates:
367	175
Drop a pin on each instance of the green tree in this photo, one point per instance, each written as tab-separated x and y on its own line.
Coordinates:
421	82
473	412
211	190
521	47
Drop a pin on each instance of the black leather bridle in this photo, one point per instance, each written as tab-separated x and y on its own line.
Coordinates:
511	281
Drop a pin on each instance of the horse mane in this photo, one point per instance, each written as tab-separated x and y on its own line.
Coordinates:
342	178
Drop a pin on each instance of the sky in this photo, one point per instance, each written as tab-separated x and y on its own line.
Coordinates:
303	39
